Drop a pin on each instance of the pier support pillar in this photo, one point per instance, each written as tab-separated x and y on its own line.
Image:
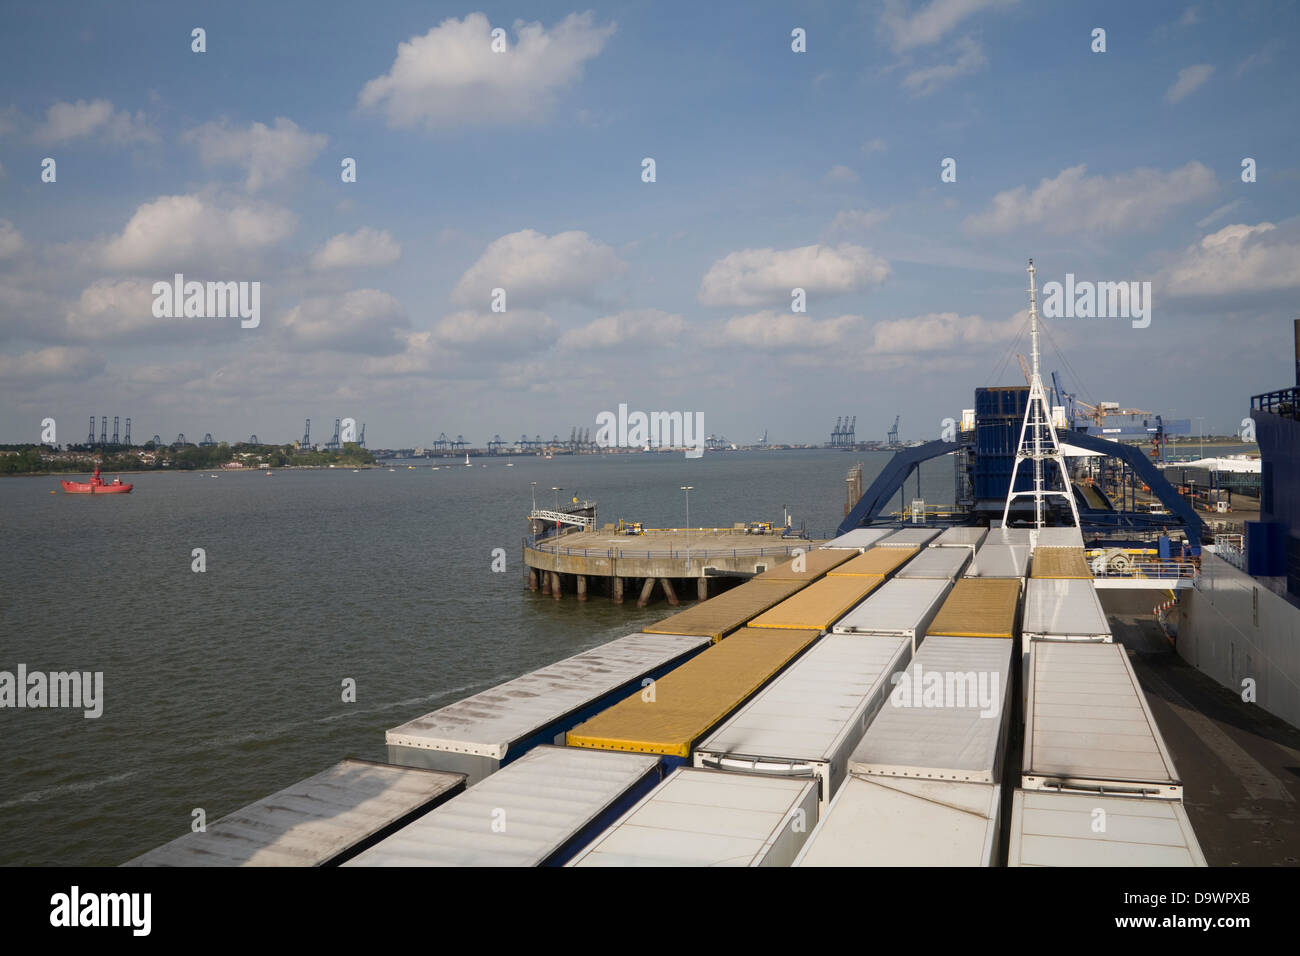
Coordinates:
618	590
546	582
582	586
555	585
702	588
668	590
532	579
644	599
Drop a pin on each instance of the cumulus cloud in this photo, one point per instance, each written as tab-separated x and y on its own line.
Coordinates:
1074	201
635	327
191	231
55	364
940	331
11	240
365	247
762	276
786	330
67	122
115	310
267	154
909	28
515	331
364	320
534	269
970	59
1189	81
1238	259
451	76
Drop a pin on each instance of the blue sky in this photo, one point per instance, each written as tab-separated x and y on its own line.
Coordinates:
522	170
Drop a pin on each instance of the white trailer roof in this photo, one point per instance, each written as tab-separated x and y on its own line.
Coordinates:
1059	538
1063	607
1087	723
859	538
960	537
1062	829
996	560
910	538
710	818
489	722
937	563
899	606
312	821
806	713
915	736
902	821
520	815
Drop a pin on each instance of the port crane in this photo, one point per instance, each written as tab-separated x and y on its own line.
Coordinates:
893	432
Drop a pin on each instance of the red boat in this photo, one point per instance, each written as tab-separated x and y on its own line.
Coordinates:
96	486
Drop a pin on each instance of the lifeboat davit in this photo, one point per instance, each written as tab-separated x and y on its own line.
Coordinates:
96	486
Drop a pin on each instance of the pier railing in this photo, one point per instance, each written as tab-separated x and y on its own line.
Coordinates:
702	554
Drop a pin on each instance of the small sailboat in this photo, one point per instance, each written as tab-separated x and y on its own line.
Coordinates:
467	464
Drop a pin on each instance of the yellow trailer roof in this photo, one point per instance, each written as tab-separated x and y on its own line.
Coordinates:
723	613
692	699
979	607
876	562
820	604
1060	563
812	566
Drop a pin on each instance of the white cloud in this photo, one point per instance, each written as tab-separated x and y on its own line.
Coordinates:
365	247
840	175
931	22
850	222
940	331
450	76
1074	201
649	327
1236	260
11	240
771	329
193	232
534	269
1189	18
1189	80
876	145
515	331
363	320
267	154
66	122
970	59
115	310
762	276
1220	213
58	363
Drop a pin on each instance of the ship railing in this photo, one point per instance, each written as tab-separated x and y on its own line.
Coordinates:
1231	548
1284	402
1164	570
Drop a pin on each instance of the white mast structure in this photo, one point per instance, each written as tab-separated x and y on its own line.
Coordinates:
1034	444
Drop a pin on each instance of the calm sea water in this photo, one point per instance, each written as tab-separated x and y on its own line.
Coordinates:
224	686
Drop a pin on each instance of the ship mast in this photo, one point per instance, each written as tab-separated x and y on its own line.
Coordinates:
1038	442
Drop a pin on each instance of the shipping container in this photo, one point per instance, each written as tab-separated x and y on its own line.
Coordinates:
1054	562
723	613
670	715
1088	728
878	562
808	721
901	607
819	605
859	539
960	537
996	560
806	567
945	563
909	538
1059	538
538	811
319	821
482	733
1062	829
704	818
1063	609
979	607
947	718
902	821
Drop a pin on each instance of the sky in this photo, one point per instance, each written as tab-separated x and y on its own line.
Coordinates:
899	168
